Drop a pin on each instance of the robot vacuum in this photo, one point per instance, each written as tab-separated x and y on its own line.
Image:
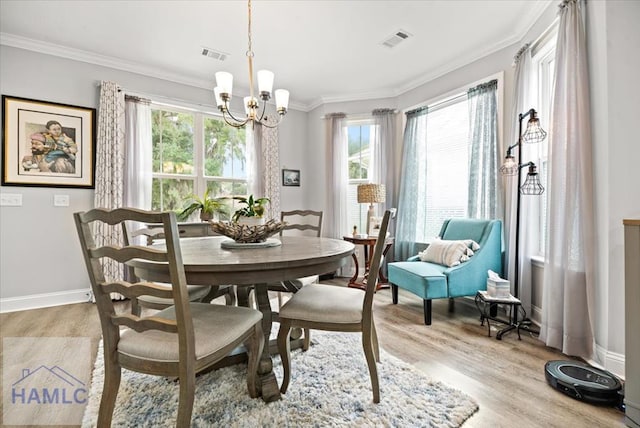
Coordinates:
584	383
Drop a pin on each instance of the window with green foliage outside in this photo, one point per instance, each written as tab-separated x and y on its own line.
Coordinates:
194	151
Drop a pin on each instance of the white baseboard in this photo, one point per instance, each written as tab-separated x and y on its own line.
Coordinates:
611	361
45	300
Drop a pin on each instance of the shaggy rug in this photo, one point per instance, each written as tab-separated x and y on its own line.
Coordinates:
329	387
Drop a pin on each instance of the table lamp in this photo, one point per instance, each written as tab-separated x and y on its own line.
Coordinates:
371	194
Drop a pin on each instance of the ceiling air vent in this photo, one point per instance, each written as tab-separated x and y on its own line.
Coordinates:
396	38
211	53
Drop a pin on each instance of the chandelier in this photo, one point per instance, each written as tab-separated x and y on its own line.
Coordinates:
223	91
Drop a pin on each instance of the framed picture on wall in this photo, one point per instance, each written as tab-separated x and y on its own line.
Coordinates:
291	177
47	144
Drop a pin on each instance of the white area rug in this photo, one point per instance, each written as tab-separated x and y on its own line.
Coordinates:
329	386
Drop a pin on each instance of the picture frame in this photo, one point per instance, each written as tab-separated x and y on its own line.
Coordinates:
374	226
291	177
47	144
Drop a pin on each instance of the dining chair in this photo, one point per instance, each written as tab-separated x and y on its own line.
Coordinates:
197	293
335	308
301	223
179	341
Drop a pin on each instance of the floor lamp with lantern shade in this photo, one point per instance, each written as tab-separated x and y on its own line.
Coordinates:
531	186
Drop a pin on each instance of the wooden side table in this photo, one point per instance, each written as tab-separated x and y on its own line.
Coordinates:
368	242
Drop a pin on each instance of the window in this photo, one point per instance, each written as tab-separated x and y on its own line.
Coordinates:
543	59
192	152
360	163
447	163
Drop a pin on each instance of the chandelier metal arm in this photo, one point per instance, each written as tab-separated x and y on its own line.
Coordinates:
238	123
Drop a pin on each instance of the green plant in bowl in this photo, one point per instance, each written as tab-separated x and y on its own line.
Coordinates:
253	208
207	205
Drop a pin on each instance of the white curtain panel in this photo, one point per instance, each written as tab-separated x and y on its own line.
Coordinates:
568	304
384	158
337	223
110	156
522	102
138	153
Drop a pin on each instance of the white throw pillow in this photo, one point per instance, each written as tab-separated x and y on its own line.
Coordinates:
449	253
443	252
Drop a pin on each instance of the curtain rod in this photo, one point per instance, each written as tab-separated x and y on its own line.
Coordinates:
155	98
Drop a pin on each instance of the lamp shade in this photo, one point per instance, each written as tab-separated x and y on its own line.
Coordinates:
531	185
534	133
371	193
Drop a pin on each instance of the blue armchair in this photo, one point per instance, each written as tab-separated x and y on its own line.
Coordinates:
433	281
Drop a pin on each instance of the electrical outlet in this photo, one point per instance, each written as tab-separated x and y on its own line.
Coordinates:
10	199
60	200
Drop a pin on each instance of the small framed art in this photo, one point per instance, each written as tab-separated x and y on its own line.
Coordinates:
374	226
47	144
291	177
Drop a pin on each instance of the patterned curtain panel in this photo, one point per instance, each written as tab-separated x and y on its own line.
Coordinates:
264	171
485	182
412	198
568	293
110	167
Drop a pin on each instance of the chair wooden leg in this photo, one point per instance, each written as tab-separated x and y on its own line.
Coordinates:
367	345
394	294
374	337
185	401
243	296
112	373
284	348
427	311
230	297
254	345
307	340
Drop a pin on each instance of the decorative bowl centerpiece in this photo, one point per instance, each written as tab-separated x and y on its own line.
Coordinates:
246	234
247	224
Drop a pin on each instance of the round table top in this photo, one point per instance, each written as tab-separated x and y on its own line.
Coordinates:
206	262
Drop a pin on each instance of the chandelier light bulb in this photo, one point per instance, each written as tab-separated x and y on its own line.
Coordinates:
265	83
282	100
224	81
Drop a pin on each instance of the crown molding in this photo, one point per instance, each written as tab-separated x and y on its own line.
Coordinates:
110	62
137	68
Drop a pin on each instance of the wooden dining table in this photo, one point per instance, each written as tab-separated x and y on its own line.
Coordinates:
206	262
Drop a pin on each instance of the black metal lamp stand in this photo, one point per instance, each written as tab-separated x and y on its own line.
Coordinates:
531	186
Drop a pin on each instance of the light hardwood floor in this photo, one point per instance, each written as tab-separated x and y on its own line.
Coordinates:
505	377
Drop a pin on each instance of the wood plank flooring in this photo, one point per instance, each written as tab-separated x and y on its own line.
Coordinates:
505	377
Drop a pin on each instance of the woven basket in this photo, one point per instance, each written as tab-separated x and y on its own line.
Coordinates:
246	234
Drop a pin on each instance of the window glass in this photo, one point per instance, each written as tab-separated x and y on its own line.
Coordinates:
544	65
447	165
193	152
360	162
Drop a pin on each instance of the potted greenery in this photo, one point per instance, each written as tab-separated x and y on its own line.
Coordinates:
252	213
208	207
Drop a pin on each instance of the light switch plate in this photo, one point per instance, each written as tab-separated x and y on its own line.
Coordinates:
10	199
60	200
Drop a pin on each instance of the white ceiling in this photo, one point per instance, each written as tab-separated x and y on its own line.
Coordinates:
321	51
